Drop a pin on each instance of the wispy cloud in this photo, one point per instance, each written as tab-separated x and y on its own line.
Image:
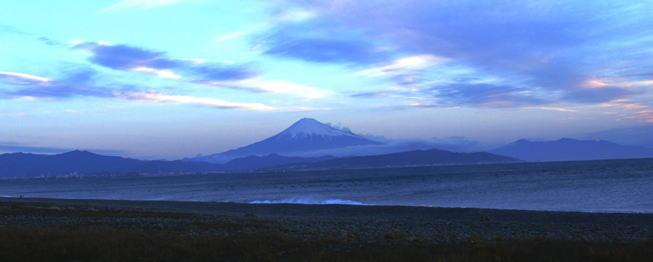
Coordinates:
553	108
295	15
322	42
193	100
403	65
124	57
535	52
162	73
599	83
635	110
136	59
229	36
272	86
83	84
142	4
23	77
76	83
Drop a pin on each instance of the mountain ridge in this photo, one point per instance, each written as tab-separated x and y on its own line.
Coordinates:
78	162
430	157
569	149
632	136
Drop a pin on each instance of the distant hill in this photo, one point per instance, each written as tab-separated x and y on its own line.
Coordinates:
251	163
87	163
631	136
410	158
305	135
567	149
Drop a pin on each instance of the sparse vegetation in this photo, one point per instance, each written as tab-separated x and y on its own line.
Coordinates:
50	231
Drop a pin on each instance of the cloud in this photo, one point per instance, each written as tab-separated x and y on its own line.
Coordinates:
597	95
635	110
162	73
321	42
599	83
221	72
142	4
553	108
136	59
11	29
123	57
323	50
83	83
646	115
548	49
22	78
272	86
76	83
403	65
193	100
229	36
371	94
49	41
491	95
295	15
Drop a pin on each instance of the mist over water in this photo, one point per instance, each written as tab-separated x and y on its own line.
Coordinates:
592	187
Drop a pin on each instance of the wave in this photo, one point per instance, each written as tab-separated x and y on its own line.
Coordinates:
309	201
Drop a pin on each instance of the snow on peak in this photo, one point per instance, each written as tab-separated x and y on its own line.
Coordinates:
310	126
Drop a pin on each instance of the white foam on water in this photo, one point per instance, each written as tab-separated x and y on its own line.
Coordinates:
308	201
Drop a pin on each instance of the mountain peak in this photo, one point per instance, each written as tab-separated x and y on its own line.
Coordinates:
78	154
307	122
310	126
304	136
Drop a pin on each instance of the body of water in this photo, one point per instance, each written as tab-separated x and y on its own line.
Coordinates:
596	186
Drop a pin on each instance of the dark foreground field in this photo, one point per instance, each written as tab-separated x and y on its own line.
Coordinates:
80	230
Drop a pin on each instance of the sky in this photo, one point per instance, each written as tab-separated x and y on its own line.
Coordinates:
177	78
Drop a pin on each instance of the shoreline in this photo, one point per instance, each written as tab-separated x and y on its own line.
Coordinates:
313	211
336	202
114	230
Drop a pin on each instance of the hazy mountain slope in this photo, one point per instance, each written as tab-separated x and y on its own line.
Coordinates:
259	162
86	163
303	136
632	136
411	158
567	149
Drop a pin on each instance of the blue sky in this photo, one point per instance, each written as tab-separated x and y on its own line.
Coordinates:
176	78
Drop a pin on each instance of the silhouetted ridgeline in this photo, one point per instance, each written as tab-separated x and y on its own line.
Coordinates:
431	157
87	163
567	149
76	163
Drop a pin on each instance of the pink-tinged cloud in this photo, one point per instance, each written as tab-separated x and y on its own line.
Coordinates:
193	100
638	111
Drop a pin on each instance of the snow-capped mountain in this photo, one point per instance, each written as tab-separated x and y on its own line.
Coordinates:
305	135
